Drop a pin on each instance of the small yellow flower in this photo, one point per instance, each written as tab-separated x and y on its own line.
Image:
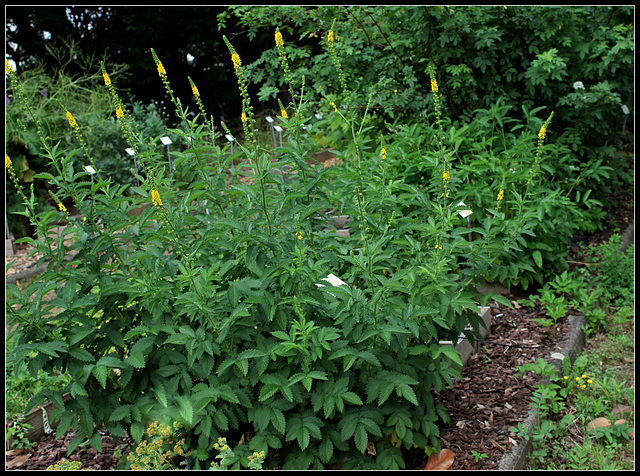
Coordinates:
8	161
330	37
235	58
161	70
383	153
279	41
438	247
62	207
335	108
119	112
155	198
543	132
434	86
244	117
284	114
299	235
107	79
7	67
584	376
577	379
445	175
72	121
195	91
566	378
500	195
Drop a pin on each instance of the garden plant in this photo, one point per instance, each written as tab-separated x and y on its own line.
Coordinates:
217	298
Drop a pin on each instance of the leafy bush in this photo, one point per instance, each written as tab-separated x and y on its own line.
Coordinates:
231	304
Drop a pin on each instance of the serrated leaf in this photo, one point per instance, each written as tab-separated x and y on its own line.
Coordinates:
161	396
100	372
81	354
185	408
137	431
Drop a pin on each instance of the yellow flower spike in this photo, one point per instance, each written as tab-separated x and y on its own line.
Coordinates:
330	36
284	114
244	117
434	86
62	207
8	162
335	108
383	153
279	40
155	198
543	132
119	112
235	58
195	91
107	79
501	195
72	121
161	70
7	67
446	175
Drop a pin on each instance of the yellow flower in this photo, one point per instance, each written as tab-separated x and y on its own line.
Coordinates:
299	235
383	153
106	78
330	37
566	378
155	198
589	381
119	112
62	207
244	117
72	121
8	161
161	70
7	66
235	57
284	114
543	132
434	86
335	108
445	175
195	91
279	41
577	379
501	195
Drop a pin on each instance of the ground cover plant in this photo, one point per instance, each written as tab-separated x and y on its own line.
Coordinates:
587	417
228	303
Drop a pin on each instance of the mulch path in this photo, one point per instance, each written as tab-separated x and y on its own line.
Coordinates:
488	400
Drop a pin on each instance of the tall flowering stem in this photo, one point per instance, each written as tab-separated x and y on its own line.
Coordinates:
336	61
248	125
285	65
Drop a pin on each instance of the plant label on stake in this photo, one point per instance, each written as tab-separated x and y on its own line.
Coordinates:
279	129
230	139
166	141
270	121
131	152
465	214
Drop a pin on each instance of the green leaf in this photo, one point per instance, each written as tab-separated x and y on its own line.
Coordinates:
537	257
100	372
137	431
185	408
81	354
